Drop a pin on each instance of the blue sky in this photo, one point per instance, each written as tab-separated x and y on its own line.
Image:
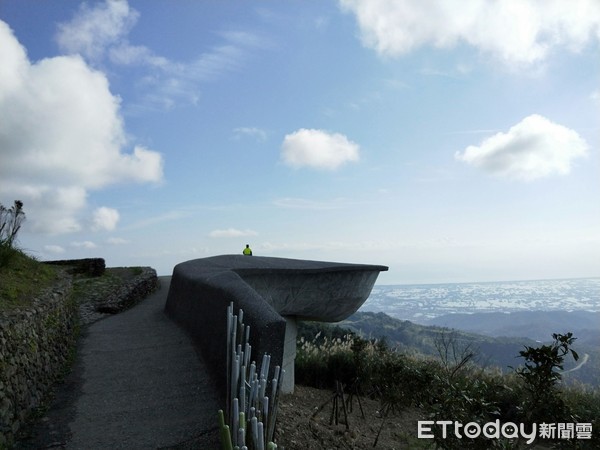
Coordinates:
449	143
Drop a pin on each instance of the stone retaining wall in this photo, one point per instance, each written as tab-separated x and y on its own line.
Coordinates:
36	343
35	346
98	305
88	266
134	291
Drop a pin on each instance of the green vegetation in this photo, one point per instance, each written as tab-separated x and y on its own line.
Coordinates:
451	386
21	277
410	337
490	352
541	376
10	224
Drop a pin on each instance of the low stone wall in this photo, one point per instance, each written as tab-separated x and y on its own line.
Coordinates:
36	343
93	267
35	346
98	304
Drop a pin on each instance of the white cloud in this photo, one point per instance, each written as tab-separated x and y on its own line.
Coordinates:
251	132
55	249
514	31
92	30
231	233
117	241
169	82
100	35
168	216
61	135
105	219
533	148
84	244
302	203
52	209
126	54
318	149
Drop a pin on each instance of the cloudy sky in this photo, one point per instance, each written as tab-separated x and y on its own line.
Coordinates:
451	140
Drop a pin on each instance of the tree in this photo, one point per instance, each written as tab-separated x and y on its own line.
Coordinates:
541	375
454	354
10	222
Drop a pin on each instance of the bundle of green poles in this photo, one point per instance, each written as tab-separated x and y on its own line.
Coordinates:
251	404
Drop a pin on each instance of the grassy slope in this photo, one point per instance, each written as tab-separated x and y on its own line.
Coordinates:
21	279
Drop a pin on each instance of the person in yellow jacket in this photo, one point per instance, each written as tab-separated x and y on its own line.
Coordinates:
247	251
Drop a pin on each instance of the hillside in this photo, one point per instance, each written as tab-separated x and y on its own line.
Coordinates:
438	388
501	352
410	337
531	324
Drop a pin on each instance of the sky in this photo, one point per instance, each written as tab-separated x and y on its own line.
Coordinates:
452	141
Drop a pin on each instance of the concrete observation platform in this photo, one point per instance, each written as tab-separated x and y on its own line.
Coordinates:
273	293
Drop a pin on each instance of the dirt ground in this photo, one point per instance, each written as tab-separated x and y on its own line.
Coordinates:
299	428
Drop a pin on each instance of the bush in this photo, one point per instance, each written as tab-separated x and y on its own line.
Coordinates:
7	254
322	362
584	404
452	388
541	375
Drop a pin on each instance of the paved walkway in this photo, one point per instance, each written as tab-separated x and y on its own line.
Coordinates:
137	383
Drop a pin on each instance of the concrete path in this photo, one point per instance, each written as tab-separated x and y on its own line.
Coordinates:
137	383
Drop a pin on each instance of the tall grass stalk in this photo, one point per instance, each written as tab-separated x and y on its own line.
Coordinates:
251	408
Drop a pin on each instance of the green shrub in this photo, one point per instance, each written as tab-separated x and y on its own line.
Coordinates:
323	361
584	404
452	388
7	254
541	377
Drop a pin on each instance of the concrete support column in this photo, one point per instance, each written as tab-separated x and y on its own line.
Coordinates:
289	354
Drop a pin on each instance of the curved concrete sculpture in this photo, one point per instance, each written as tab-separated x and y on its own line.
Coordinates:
266	289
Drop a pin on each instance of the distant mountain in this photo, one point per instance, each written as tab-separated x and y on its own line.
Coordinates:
500	352
497	318
538	325
407	336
